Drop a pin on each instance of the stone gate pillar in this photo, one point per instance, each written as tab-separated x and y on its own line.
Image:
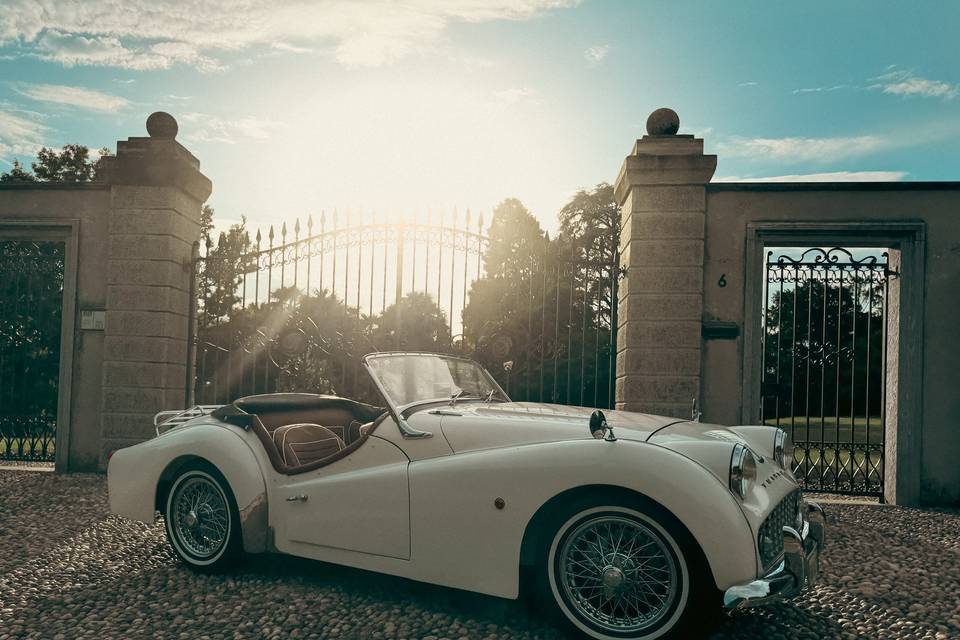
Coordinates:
661	189
156	192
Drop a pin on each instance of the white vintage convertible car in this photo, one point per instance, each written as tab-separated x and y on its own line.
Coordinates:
627	525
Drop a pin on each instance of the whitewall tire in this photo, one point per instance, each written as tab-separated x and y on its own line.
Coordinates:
616	572
201	520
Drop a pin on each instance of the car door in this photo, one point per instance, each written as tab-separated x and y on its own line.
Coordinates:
360	503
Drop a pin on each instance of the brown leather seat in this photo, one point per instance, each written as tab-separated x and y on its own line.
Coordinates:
303	443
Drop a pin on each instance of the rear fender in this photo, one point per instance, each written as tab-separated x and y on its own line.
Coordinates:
139	476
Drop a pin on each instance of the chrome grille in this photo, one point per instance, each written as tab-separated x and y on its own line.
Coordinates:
770	536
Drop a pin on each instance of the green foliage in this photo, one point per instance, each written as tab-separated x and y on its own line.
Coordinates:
516	241
223	267
31	286
17	174
590	224
542	306
413	324
71	164
824	344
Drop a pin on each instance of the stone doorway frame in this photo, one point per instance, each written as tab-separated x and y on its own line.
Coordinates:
906	243
68	232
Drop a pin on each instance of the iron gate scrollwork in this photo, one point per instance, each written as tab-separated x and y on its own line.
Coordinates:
296	309
824	349
31	301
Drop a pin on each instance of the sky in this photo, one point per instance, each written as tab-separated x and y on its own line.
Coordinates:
411	108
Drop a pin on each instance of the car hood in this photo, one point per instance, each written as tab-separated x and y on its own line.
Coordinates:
471	426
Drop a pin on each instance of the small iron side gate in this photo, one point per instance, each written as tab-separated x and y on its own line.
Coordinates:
824	348
31	300
296	309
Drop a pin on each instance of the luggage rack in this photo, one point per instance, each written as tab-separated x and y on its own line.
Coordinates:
169	419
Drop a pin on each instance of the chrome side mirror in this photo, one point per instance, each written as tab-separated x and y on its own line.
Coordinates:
695	412
599	428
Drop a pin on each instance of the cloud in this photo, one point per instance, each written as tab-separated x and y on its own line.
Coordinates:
905	83
210	128
154	34
74	97
802	149
835	87
289	48
20	136
596	53
698	132
72	50
509	97
834	176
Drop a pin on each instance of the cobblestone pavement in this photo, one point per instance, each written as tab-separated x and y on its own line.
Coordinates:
69	570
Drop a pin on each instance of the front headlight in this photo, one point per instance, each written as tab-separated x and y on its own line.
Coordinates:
743	470
783	449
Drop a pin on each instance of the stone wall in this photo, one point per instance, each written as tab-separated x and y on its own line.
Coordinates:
693	258
31	210
136	226
923	438
661	188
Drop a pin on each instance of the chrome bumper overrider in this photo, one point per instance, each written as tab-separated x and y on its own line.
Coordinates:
799	567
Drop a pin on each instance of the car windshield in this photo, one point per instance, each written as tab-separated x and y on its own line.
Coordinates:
411	378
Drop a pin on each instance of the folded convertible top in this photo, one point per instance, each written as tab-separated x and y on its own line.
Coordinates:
282	402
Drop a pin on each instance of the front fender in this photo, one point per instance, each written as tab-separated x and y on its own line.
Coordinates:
135	473
453	507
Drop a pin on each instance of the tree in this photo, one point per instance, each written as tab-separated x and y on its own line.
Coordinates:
819	338
221	270
206	223
71	164
413	324
590	223
541	309
516	240
17	174
498	320
31	285
590	234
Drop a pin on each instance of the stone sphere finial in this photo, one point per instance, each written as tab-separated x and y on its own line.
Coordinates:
663	122
161	124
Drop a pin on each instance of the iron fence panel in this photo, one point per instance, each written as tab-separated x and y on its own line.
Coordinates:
824	346
281	312
31	300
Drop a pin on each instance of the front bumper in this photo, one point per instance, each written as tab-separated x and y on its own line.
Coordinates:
800	565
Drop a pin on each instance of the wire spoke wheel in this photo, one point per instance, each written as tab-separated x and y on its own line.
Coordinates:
617	574
200	517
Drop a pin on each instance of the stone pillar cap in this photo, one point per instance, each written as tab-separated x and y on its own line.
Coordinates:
663	122
161	124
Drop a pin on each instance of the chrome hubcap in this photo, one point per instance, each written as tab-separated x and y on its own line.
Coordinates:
613	579
617	573
200	517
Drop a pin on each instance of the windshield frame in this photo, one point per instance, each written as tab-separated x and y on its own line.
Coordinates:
398	411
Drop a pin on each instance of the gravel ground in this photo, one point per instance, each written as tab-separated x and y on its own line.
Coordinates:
69	570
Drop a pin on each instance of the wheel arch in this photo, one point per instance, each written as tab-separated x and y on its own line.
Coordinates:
232	459
539	526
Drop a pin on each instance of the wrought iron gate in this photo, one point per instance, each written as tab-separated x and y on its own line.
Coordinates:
824	347
31	301
295	310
